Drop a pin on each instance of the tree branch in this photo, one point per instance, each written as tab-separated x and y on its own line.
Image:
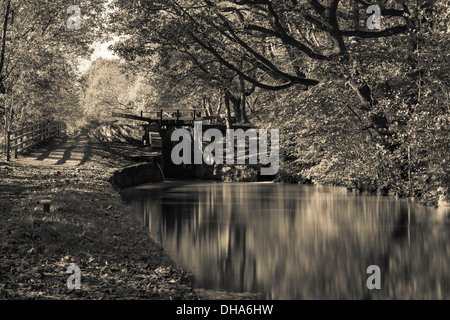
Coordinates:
367	34
308	82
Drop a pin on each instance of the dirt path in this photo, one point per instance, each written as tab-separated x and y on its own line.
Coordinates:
28	172
64	152
88	226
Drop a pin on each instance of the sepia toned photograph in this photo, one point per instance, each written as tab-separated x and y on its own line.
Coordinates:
224	155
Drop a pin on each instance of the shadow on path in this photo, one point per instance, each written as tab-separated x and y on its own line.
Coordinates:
87	154
50	148
67	151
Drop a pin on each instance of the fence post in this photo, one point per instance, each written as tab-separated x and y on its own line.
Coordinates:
17	142
8	146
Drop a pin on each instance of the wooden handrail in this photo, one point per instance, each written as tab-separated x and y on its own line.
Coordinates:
171	114
35	134
25	134
172	110
24	128
30	133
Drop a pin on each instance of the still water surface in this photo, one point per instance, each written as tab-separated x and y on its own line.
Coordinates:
298	242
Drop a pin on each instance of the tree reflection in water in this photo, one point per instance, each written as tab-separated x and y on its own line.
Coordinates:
299	242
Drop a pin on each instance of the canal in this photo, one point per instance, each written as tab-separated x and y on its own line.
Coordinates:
280	241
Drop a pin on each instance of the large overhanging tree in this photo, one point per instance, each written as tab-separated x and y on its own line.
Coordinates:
382	80
272	45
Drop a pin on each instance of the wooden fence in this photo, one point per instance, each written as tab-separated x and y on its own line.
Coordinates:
166	116
26	137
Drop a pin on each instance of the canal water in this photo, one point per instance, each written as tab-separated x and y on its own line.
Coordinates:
280	241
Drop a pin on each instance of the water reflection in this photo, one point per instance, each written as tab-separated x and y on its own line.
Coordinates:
298	242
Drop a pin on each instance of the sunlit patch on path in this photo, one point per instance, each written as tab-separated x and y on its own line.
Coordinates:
68	152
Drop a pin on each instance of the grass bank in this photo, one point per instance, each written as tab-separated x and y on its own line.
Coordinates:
88	226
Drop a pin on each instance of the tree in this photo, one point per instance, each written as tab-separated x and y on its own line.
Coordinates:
38	56
348	83
114	86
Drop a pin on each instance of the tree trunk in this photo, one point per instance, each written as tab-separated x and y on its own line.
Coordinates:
237	108
236	105
204	108
228	111
3	48
378	122
219	106
243	100
208	106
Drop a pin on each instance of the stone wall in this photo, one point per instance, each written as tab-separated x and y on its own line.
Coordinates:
137	174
